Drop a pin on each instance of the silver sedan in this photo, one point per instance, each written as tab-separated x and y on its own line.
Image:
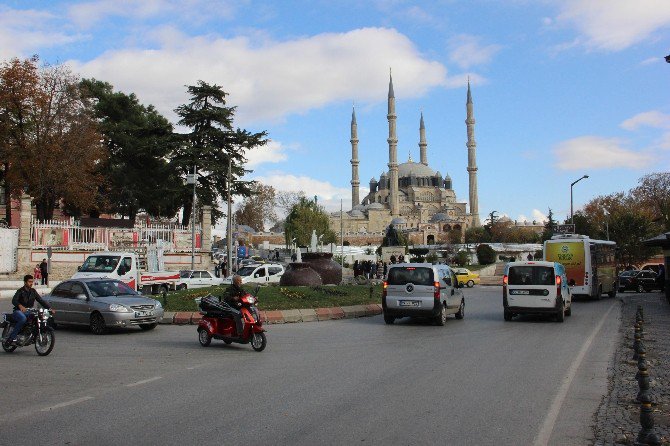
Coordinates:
102	304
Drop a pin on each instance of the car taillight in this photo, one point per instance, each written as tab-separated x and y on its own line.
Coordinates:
384	287
558	280
436	293
505	279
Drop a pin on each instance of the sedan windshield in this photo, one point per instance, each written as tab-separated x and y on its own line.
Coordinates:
628	273
100	264
104	288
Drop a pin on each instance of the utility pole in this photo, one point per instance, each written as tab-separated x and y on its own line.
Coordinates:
192	180
229	226
572	215
341	235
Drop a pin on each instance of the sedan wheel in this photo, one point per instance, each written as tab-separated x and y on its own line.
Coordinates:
471	283
97	324
461	310
640	288
441	319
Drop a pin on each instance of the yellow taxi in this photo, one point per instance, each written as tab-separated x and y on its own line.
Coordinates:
466	277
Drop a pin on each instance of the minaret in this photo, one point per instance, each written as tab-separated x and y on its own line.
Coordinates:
422	142
472	160
355	198
393	150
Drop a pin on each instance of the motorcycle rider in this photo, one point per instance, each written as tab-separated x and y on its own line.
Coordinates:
232	297
24	298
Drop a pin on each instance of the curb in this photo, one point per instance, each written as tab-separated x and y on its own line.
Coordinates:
286	316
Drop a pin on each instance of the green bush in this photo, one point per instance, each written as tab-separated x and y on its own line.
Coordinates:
485	254
462	258
431	258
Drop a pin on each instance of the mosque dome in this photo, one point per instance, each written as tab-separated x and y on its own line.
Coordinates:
440	216
398	221
358	207
356	213
417	169
376	206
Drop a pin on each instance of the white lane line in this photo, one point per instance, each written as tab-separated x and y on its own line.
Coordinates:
193	367
144	381
544	435
68	403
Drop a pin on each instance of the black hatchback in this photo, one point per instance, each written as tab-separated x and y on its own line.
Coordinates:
640	281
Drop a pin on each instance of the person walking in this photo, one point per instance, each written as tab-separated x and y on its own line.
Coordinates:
37	273
44	272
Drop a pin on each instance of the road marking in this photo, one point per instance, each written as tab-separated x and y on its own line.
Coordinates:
144	381
544	435
68	403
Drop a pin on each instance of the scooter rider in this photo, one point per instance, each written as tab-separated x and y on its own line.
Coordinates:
232	297
25	298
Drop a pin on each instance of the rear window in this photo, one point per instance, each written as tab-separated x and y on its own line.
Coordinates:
417	276
531	275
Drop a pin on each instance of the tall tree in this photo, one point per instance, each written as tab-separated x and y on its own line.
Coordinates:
211	143
258	209
305	217
52	148
653	193
139	140
548	231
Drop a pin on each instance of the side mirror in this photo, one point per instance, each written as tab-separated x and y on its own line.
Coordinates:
81	297
256	276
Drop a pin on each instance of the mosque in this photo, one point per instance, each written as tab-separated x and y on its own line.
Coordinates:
412	196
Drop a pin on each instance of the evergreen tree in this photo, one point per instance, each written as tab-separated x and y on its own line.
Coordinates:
211	143
549	226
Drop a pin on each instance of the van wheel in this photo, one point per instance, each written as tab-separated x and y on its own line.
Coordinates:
612	293
441	319
560	316
461	310
470	283
508	315
568	312
389	319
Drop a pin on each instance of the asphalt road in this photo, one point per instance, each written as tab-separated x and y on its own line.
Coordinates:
476	381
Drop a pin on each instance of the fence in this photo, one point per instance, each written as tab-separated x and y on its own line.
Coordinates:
9	242
68	235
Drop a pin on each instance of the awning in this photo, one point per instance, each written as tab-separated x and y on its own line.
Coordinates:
662	241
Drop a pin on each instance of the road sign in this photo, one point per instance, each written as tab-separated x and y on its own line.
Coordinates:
564	229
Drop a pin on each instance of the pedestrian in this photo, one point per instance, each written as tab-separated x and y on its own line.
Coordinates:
386	268
37	273
44	271
530	257
294	257
373	270
379	269
401	258
357	271
392	259
217	268
661	276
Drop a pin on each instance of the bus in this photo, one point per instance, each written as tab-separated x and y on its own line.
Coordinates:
590	264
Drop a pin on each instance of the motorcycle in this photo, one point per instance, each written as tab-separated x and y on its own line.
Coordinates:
36	331
216	324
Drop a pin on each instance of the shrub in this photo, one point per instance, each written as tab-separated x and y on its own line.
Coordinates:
431	258
485	254
462	258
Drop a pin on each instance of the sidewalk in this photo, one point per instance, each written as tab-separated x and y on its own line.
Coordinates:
617	419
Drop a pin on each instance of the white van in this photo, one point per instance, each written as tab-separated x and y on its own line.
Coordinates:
536	288
259	273
422	290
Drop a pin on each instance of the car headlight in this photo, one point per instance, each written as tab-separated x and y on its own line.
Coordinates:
118	308
158	304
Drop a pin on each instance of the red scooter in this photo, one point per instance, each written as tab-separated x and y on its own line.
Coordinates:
216	324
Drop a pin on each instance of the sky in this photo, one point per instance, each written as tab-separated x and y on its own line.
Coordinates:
561	88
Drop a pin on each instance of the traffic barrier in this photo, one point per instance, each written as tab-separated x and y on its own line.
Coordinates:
646	436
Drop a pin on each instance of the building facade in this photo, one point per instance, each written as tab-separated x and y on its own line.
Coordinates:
411	195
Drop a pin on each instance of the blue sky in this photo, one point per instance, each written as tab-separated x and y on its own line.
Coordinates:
561	87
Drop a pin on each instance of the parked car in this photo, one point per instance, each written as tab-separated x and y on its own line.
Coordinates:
422	290
641	281
102	304
259	273
467	277
536	288
197	279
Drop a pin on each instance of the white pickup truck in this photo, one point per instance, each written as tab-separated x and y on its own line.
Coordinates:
125	266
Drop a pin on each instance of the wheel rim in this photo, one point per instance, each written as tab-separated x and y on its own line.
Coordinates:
43	342
462	309
204	337
470	284
257	340
443	314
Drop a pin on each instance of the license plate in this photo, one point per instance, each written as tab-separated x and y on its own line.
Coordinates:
409	303
144	313
526	292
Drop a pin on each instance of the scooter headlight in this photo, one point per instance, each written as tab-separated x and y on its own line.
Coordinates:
251	300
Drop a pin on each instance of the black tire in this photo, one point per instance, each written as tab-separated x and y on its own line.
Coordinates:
461	310
441	319
204	337
612	293
147	327
183	286
389	319
568	312
227	342
8	348
259	341
97	324
470	283
50	341
508	315
640	288
560	316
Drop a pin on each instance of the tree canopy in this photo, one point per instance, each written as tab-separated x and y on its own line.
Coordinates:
258	209
305	217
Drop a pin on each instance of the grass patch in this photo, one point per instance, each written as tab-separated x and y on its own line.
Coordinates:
284	298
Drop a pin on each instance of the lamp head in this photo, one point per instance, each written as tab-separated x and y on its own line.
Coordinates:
585	176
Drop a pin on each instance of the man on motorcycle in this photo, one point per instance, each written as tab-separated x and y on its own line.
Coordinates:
24	298
232	297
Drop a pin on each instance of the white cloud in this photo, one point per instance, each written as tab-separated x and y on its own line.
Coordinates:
653	118
272	152
270	79
614	25
539	216
651	60
466	51
594	152
26	30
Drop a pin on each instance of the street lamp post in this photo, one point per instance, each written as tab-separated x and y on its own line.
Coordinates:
572	215
229	226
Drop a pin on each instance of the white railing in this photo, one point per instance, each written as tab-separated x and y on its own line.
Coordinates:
68	235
